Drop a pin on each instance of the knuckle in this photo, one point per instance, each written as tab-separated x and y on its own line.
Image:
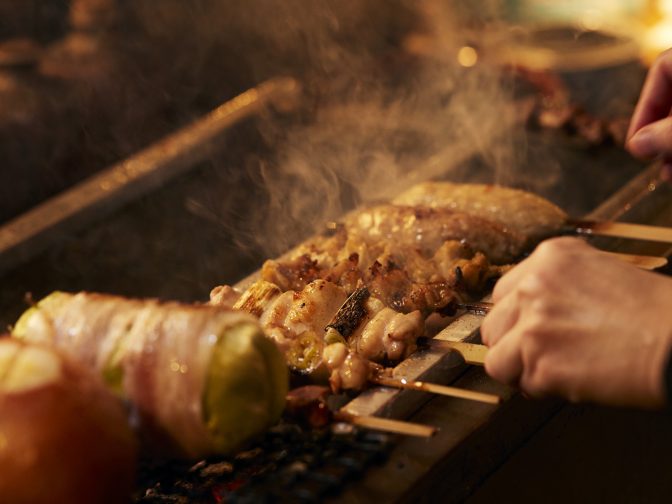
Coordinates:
542	308
492	366
534	285
560	246
499	292
531	336
498	368
538	378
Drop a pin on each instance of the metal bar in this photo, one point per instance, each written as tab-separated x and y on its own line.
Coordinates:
30	233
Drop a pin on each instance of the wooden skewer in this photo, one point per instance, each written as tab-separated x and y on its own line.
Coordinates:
402	383
477	308
641	261
387	424
471	352
621	230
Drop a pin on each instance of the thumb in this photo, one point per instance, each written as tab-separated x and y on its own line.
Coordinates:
653	140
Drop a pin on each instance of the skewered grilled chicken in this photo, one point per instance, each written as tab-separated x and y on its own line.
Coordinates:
205	379
320	326
411	261
426	229
529	216
403	277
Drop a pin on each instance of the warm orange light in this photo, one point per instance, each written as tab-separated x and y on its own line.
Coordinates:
467	56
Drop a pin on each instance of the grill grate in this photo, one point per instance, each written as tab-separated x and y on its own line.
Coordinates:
290	464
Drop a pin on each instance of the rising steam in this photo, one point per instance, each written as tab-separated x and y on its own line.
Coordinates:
381	128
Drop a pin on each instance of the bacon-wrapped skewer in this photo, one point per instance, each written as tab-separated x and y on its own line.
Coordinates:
203	378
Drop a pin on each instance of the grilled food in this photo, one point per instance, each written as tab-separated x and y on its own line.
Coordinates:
64	437
203	378
438	243
323	332
407	276
528	216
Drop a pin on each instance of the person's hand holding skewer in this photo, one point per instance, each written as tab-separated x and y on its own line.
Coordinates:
650	132
569	321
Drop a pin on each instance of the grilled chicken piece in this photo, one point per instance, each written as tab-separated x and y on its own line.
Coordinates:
525	214
402	277
348	370
387	335
297	322
428	228
224	296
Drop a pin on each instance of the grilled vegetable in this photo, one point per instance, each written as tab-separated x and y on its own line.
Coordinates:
202	377
64	437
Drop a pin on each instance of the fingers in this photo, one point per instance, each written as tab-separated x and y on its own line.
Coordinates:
510	280
653	140
504	362
655	100
500	320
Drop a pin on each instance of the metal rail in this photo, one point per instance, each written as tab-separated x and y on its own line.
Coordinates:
29	234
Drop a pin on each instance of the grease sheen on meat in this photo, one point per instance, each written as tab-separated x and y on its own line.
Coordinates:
526	214
428	228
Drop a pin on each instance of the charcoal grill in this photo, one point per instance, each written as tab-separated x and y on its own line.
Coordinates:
290	464
98	252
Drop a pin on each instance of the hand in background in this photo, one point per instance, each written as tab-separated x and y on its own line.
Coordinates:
650	132
568	321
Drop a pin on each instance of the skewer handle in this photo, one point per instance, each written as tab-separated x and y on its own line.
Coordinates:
387	425
471	352
641	261
437	389
621	230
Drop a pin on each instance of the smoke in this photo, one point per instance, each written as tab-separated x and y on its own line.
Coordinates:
383	117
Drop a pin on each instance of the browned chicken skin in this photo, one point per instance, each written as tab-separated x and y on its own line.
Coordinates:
526	214
398	263
299	321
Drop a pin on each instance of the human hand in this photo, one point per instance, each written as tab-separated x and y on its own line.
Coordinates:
650	132
569	321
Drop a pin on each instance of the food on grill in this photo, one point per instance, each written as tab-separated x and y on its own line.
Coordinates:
202	378
426	228
421	273
356	298
526	215
312	327
64	437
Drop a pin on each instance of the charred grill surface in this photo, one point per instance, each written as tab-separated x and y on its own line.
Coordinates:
290	464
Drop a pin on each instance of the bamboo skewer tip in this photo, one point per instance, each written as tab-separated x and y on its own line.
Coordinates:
434	388
388	425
